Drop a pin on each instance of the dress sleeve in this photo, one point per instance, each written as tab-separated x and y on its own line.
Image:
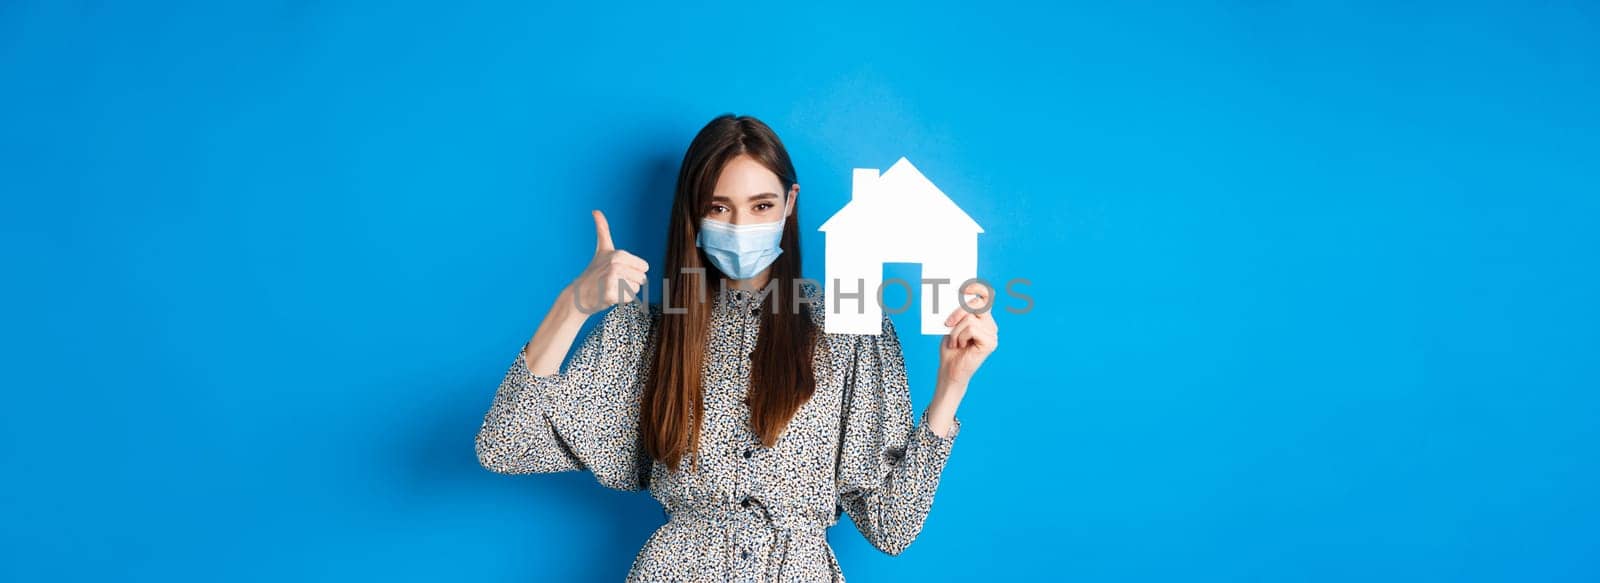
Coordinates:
888	470
585	417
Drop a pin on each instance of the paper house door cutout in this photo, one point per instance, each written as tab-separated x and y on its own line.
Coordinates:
898	216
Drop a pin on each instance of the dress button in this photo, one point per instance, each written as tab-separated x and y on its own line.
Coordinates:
745	502
747	454
744	554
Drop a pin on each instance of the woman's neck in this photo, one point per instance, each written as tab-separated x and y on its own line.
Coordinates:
754	283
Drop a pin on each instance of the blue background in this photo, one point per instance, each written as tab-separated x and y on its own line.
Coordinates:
1315	284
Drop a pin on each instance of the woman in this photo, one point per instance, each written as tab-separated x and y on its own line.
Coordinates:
751	427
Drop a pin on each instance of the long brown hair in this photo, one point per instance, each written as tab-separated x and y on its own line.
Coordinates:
781	378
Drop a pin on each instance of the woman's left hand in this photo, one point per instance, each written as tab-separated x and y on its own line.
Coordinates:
973	336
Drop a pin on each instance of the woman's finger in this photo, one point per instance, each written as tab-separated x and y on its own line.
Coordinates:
634	287
986	322
602	232
617	278
985	339
977	295
953	340
620	257
622	278
628	273
626	291
959	318
962	333
956	317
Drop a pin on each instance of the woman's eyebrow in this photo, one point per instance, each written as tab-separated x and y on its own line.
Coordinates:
760	196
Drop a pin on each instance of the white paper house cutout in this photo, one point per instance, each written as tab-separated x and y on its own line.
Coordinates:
896	217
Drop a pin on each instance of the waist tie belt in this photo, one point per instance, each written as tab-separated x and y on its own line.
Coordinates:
786	522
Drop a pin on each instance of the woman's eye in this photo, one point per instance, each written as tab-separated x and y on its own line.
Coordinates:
764	206
718	209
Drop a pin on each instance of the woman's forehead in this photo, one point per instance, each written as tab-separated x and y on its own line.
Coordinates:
743	178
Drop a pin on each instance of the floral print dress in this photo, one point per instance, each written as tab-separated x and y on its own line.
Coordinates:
748	513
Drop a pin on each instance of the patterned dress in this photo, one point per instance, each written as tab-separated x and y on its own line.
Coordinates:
748	513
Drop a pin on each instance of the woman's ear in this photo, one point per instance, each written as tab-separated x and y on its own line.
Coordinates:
794	192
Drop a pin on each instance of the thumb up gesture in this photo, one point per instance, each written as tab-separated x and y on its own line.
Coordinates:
612	275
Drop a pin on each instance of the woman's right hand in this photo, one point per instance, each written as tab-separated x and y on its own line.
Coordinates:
613	275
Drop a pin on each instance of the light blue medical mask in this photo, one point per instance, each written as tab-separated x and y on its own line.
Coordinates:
740	251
